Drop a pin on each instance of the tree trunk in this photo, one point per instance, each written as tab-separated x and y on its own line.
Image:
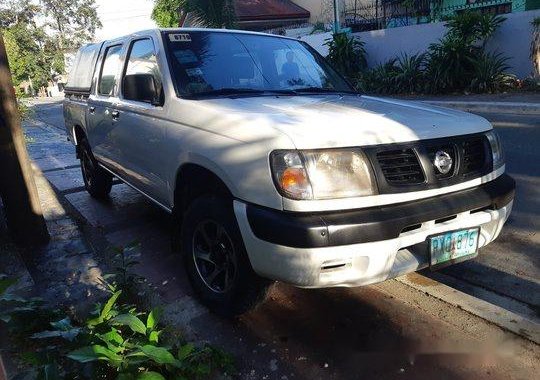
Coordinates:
535	50
17	187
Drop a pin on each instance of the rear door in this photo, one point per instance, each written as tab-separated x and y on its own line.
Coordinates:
140	123
101	115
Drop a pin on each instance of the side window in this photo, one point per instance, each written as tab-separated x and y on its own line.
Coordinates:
142	79
107	79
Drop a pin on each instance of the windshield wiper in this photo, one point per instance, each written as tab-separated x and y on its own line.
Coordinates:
242	91
228	91
323	90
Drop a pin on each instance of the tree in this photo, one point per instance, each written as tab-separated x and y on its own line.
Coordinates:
166	13
17	187
208	13
74	22
29	60
37	34
13	12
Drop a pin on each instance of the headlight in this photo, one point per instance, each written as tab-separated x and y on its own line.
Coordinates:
496	149
322	174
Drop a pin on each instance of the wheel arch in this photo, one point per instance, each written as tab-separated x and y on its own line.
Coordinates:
194	180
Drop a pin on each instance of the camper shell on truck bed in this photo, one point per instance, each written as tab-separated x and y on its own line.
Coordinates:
80	77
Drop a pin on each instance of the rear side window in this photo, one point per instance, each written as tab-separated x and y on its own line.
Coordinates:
142	60
111	64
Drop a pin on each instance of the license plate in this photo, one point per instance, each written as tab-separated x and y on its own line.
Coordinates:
453	246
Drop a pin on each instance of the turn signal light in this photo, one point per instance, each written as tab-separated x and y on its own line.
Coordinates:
294	179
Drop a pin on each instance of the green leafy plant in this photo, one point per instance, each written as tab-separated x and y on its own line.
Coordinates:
378	80
347	54
399	75
530	84
123	278
128	343
490	73
23	317
318	27
118	341
13	306
209	13
473	27
449	65
25	112
454	61
409	73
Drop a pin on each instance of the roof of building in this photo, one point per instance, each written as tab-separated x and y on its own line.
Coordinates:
255	10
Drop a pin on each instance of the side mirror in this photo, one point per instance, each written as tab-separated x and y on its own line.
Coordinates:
142	88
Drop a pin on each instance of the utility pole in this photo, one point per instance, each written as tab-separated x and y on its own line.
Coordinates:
17	187
336	16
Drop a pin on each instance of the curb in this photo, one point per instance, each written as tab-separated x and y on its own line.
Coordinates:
499	107
496	315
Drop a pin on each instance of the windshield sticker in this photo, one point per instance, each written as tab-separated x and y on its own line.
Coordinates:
180	37
185	56
195	72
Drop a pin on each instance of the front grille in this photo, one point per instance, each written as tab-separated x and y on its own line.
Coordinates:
448	148
474	156
401	167
411	166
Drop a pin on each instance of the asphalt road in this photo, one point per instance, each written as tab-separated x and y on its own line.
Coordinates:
511	265
388	330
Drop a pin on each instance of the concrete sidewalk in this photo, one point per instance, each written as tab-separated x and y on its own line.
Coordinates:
514	103
489	107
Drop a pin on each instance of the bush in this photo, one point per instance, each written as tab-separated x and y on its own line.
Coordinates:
347	54
378	80
449	65
24	111
399	75
489	74
409	73
472	27
458	61
530	84
118	341
455	63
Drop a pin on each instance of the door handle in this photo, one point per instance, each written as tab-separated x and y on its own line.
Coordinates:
92	109
115	115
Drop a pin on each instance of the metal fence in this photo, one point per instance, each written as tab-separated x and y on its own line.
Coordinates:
382	14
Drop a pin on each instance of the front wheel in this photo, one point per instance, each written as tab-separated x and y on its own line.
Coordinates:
216	260
97	181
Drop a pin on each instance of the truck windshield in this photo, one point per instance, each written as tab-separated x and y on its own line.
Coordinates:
216	63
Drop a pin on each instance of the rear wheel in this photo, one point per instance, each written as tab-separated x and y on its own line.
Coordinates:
97	181
216	260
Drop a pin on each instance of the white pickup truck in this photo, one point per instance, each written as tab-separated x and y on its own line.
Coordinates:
274	168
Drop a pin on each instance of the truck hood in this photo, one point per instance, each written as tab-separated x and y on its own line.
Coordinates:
327	121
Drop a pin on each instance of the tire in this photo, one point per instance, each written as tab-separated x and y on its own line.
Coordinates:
97	181
216	260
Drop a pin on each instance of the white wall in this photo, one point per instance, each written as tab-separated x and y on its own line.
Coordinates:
513	40
382	45
317	41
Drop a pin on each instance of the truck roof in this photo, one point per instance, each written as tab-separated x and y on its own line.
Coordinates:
213	30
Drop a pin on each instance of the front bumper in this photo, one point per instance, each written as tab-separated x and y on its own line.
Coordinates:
360	247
